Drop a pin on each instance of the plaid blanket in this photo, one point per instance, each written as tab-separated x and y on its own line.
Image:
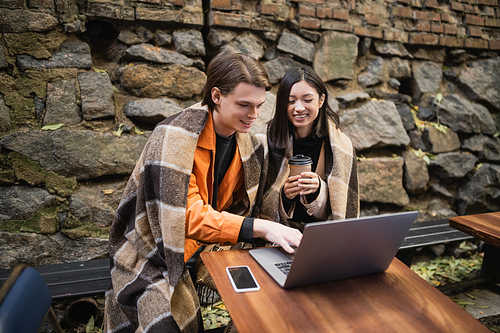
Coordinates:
341	178
151	288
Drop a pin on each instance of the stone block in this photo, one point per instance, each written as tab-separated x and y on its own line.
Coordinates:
381	180
324	12
229	20
475	43
368	32
97	95
424	26
406	12
306	10
336	48
296	45
341	14
424	39
373	19
494	44
456	6
474	32
269	8
491	22
262	24
335	25
194	17
161	15
450	29
445	17
427	16
449	41
474	20
396	35
309	23
470	9
431	4
62	105
104	9
25	21
437	28
488	2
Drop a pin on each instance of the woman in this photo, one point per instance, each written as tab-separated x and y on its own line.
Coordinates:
305	124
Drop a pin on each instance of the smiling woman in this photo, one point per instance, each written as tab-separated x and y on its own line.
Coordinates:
304	124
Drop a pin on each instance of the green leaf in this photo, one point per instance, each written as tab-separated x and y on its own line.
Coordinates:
496	134
115	89
138	131
98	70
482	306
90	325
470	296
439	127
439	97
52	127
427	159
119	131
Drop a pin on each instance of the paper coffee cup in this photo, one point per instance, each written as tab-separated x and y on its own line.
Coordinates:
299	163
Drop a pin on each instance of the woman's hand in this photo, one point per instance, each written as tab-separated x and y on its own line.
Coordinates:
277	233
308	183
305	183
291	187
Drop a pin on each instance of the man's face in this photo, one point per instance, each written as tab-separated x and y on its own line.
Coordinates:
238	110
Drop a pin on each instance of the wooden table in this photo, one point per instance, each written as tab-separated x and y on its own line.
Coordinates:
397	300
485	227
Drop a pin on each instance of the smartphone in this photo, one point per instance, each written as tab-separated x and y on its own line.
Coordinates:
242	279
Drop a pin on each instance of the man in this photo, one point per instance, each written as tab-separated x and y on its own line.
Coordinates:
197	181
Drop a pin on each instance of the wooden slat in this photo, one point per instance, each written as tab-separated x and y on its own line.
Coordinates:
485	227
75	279
397	300
430	233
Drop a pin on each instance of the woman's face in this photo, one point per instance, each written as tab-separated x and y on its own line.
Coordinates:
303	108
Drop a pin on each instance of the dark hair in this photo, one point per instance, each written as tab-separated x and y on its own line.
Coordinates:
228	69
280	128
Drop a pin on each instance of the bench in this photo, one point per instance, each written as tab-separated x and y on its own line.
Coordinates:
90	278
428	233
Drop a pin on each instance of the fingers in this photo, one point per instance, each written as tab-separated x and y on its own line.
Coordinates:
309	184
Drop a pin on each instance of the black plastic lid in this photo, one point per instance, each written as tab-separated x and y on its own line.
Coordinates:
300	160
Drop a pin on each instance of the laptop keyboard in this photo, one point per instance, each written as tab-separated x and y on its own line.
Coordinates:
284	266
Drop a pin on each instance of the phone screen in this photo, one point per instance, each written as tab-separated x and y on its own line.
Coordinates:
242	277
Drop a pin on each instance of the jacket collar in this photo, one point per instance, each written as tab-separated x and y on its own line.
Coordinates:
207	136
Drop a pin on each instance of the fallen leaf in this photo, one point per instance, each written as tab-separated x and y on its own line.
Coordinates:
52	127
108	191
119	131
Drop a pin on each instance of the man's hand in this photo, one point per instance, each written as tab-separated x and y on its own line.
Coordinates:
277	233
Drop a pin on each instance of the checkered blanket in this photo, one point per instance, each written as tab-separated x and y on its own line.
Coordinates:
151	288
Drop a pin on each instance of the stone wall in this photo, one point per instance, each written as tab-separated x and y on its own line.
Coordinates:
82	84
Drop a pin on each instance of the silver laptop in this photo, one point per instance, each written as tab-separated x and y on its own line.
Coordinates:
334	250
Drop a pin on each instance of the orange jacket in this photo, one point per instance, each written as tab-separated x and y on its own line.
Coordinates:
203	223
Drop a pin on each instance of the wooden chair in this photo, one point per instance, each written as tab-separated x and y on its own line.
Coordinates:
25	302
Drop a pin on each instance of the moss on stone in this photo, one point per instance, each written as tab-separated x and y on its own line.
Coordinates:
6	83
35	80
32	173
45	221
87	230
22	108
38	45
71	222
7	177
